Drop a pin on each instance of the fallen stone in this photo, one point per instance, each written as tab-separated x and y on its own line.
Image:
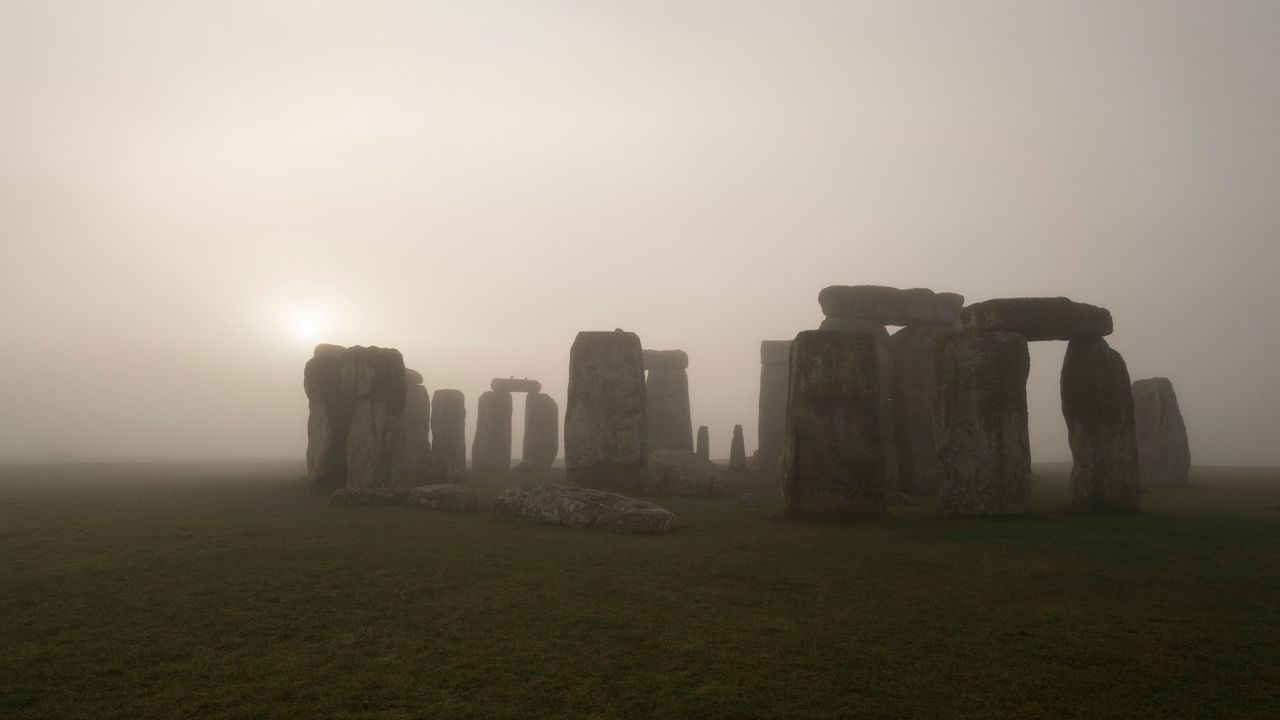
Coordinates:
834	458
541	442
1097	403
584	508
510	385
444	496
980	422
604	426
680	472
890	306
491	448
449	430
368	496
1164	455
1055	318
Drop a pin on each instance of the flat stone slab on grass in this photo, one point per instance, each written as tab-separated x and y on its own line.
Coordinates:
584	508
443	496
1055	318
368	496
680	472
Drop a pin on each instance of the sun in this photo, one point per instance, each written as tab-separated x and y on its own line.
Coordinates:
309	324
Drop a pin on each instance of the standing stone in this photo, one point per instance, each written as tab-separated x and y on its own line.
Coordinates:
914	393
737	451
980	422
541	432
328	421
604	424
704	443
884	352
774	358
374	381
413	459
491	449
668	422
834	455
449	430
1164	456
1097	403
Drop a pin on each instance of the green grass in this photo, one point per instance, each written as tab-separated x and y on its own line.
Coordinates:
228	591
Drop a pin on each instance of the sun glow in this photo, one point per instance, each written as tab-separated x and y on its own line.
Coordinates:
308	324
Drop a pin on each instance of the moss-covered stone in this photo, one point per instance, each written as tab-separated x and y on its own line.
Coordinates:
1164	455
1056	318
980	422
833	455
1097	403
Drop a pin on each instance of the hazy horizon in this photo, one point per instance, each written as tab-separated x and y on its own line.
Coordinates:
193	195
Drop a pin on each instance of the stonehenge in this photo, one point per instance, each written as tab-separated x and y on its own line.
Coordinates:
449	430
737	451
413	464
833	460
584	508
373	379
605	443
704	443
891	306
541	432
1164	457
1097	403
981	422
328	419
491	447
1056	318
668	423
774	358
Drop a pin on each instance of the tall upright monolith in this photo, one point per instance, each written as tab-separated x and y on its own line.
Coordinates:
914	395
328	420
737	451
541	432
413	459
604	426
449	429
1097	403
491	448
1164	455
774	358
704	443
668	422
980	422
834	455
374	381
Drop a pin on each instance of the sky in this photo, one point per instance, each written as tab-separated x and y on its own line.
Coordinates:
194	194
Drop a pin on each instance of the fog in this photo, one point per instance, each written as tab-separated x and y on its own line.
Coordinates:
192	195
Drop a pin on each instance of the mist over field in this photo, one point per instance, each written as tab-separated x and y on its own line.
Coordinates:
194	195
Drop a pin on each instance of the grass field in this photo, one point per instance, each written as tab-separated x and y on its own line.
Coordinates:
147	591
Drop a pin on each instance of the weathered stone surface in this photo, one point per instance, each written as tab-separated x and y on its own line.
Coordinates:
412	377
510	385
834	457
328	420
891	306
668	421
737	451
413	455
1097	403
491	448
604	426
914	393
884	351
1055	318
1164	455
704	443
368	496
584	508
442	496
774	359
541	432
669	359
449	430
373	380
980	422
681	472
